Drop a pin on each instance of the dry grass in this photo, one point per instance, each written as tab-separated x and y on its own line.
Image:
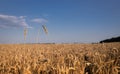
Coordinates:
60	59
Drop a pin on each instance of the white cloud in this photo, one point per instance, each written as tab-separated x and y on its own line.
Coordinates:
7	21
40	20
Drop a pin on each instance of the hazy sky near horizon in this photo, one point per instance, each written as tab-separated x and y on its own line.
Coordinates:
66	20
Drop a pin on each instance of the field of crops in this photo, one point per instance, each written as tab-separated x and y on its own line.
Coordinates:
60	58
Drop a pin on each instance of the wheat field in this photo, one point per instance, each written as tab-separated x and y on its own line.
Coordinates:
60	58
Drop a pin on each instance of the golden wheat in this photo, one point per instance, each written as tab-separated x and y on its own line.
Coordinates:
60	59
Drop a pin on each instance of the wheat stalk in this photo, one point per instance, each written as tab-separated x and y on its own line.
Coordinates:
25	33
45	29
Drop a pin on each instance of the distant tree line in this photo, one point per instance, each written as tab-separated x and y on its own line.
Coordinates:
115	39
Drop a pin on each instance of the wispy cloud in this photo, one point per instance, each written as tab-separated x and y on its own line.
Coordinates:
39	20
8	21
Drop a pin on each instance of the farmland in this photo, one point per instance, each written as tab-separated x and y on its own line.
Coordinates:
60	58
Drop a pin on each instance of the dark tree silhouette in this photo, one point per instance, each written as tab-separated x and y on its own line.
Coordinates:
115	39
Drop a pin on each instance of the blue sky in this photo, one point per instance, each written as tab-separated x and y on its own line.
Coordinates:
67	21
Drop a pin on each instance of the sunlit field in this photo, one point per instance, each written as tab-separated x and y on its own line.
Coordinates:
60	58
